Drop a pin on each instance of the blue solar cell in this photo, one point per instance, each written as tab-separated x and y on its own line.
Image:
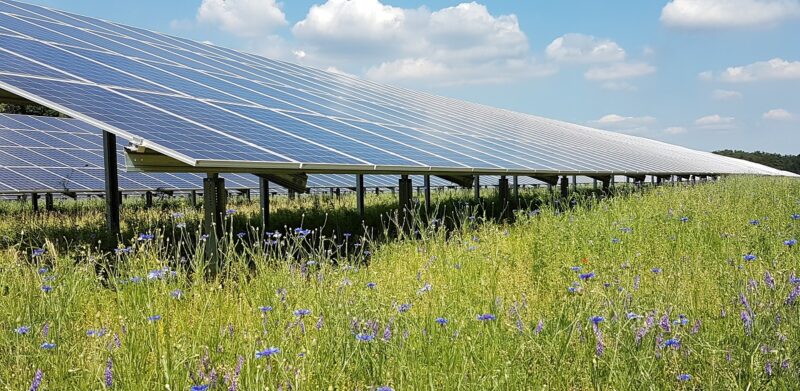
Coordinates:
9	160
15	64
75	65
141	120
248	130
14	181
21	26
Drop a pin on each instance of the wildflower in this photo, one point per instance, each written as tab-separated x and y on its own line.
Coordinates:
384	388
109	374
48	346
747	322
684	377
793	295
656	270
632	315
573	289
180	225
37	252
47	288
615	240
539	327
790	242
230	212
387	332
749	257
241	235
769	280
696	327
364	337
426	288
793	279
46	329
124	250
43	270
682	320
442	321
665	323
203	237
575	268
320	322
200	387
404	307
371	285
485	317
636	280
22	330
672	342
597	319
154	318
586	276
302	232
176	294
627	230
37	380
754	222
768	368
302	312
795	216
96	333
684	219
136	279
267	352
177	215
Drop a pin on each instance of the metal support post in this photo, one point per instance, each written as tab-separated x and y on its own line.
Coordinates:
263	189
215	198
427	183
564	186
48	202
193	198
502	193
112	185
515	185
476	186
148	199
574	183
360	196
35	202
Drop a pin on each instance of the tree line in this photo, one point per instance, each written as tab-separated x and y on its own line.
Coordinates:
782	162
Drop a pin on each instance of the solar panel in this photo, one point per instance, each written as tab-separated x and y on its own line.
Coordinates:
213	107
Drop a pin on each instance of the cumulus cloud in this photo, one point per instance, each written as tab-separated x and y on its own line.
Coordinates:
726	95
618	86
778	115
715	122
623	124
243	18
580	48
459	44
673	130
774	69
716	14
622	70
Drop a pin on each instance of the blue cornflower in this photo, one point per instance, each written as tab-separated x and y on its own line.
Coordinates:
597	319
43	270
426	288
754	222
22	330
615	240
684	377
656	270
795	216
203	237
302	232
48	346
633	315
486	317
37	380
371	285
364	337
200	387
684	219
442	321
575	268
790	242
267	352
180	225
627	230
136	279
125	250
154	318
347	235
301	312
682	320
573	289
384	388
230	212
404	307
241	235
176	294
177	215
672	342
586	276
47	288
749	257
37	252
265	308
143	237
96	333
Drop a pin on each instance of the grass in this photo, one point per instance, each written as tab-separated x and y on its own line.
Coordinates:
668	268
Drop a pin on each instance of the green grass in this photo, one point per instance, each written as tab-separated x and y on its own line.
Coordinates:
518	272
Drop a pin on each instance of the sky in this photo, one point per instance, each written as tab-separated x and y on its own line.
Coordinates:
706	74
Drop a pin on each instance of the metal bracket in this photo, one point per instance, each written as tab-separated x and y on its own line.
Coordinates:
294	182
461	180
550	180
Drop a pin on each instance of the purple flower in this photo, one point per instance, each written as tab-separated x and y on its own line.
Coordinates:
769	280
37	252
684	219
749	257
200	387
615	240
426	288
404	307
672	343
266	308
48	346
754	222
768	368
241	235
154	318
22	330
176	294
384	388
371	285
109	374
790	242
665	323
795	216
442	321
230	212
146	237
597	319
47	288
126	250
747	321
586	276
684	377
267	352
302	312
632	315
575	268
656	270
37	380
364	337
486	317
696	327
539	327
793	295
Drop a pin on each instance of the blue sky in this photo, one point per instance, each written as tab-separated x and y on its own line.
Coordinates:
708	74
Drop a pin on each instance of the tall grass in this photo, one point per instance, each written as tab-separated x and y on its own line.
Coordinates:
622	293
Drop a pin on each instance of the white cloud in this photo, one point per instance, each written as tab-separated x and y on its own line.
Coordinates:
774	69
618	86
778	115
453	45
673	130
705	76
715	14
619	71
624	124
726	95
243	18
715	122
580	48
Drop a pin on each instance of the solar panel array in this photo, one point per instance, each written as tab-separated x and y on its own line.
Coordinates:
208	106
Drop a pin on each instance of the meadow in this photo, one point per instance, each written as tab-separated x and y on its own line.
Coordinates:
674	287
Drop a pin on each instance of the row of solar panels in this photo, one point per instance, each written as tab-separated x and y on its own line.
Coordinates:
212	107
48	154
